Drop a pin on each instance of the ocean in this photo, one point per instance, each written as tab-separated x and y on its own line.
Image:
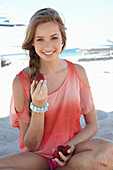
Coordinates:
11	39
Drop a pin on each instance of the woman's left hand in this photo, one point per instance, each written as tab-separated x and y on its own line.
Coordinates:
64	158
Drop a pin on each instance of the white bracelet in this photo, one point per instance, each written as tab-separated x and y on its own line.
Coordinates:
38	109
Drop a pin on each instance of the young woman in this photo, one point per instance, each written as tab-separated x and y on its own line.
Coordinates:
65	89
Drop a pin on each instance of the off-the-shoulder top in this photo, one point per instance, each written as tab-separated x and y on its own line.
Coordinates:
62	120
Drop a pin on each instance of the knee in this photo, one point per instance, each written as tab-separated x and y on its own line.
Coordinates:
105	144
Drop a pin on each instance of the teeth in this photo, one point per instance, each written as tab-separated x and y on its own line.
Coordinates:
49	53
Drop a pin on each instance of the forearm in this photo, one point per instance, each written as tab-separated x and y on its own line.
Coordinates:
34	134
85	134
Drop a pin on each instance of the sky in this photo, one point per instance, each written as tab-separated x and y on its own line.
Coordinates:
88	22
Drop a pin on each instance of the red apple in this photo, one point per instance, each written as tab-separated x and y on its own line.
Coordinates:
56	154
65	150
38	78
60	148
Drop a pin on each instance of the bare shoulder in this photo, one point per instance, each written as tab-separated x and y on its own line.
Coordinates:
82	73
16	81
18	94
26	71
16	84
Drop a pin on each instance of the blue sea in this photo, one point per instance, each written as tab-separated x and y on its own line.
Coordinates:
11	39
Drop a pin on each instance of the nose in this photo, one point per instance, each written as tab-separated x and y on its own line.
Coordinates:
47	44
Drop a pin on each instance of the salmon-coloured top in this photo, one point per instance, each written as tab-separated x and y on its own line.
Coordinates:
62	120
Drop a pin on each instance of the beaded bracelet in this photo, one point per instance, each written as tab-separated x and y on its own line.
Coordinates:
38	109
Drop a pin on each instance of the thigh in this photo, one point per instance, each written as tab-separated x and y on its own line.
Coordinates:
26	160
95	154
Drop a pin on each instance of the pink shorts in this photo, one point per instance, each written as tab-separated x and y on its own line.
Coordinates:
52	164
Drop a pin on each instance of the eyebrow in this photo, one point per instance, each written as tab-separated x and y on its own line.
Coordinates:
39	36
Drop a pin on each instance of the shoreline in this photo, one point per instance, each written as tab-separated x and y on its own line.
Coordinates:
99	72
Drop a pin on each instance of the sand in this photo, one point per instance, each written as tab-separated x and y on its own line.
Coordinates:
100	75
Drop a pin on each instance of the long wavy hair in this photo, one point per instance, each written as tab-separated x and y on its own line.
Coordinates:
42	16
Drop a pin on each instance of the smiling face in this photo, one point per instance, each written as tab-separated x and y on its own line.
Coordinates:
48	41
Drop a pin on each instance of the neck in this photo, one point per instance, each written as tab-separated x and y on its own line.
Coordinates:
51	66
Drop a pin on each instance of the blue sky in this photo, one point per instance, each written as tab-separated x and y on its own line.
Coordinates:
88	22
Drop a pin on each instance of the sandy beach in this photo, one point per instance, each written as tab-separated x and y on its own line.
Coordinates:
100	75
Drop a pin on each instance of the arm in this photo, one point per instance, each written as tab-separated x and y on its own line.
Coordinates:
31	133
91	127
88	131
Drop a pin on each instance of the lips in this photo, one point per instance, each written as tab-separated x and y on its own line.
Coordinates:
48	53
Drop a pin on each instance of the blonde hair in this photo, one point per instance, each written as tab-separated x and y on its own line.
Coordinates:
42	16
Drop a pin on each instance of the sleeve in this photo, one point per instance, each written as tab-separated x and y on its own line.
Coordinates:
15	116
24	114
86	100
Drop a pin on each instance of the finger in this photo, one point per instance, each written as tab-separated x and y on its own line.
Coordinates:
70	150
53	151
38	88
43	91
65	158
44	84
54	161
40	84
57	161
32	87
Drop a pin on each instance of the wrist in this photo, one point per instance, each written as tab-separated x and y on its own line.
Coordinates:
39	109
39	103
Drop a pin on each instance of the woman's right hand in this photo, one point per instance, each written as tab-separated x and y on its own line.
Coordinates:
39	95
65	158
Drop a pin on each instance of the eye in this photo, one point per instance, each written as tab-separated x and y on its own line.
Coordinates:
54	38
40	39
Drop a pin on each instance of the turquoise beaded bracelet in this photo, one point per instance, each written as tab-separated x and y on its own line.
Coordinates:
38	109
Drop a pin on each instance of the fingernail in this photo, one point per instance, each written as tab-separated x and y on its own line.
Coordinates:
74	146
59	153
68	151
55	159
